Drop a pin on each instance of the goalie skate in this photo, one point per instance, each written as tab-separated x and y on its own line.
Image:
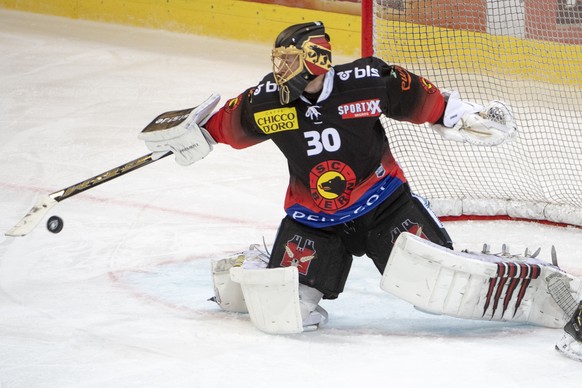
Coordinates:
571	342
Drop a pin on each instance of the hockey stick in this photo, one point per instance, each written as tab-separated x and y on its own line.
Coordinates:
44	204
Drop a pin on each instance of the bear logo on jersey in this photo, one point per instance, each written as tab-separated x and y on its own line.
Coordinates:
334	185
331	184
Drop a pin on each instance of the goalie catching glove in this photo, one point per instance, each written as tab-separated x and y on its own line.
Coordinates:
472	123
182	134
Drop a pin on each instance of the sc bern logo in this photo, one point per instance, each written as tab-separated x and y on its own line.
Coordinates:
331	184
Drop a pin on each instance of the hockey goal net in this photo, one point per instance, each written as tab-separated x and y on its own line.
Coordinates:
527	53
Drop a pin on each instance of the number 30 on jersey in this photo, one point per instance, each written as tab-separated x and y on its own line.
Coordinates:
328	140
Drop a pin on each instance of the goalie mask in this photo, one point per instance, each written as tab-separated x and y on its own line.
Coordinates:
301	53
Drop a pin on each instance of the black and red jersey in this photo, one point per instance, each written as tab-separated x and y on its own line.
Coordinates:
339	159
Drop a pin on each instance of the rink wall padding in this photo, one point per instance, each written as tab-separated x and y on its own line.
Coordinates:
230	19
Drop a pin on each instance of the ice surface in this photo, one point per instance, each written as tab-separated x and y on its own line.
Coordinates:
119	297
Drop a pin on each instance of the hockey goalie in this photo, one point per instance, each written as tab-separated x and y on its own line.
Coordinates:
347	195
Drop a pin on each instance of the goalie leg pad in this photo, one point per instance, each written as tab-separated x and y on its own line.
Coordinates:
228	294
272	298
440	281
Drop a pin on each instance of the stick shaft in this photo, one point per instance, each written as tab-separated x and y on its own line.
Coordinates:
105	177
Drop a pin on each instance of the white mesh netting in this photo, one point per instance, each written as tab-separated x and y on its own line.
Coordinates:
526	53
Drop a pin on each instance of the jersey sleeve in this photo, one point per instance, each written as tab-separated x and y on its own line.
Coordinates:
227	124
411	97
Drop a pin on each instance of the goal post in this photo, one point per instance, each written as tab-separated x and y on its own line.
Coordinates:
526	53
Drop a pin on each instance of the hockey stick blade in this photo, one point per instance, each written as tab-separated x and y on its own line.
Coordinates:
32	218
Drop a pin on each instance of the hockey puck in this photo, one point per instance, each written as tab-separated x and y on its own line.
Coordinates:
55	224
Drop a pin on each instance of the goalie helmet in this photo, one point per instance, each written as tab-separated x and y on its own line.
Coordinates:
301	53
